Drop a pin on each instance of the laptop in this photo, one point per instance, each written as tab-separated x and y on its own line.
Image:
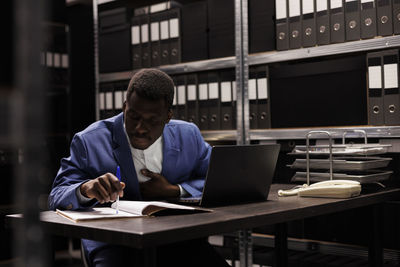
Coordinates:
237	174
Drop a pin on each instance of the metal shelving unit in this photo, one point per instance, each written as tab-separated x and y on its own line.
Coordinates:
241	61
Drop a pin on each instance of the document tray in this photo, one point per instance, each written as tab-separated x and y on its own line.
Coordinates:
365	178
343	163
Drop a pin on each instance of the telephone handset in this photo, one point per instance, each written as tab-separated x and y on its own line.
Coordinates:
332	189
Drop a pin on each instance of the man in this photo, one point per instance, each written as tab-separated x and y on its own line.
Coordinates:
159	158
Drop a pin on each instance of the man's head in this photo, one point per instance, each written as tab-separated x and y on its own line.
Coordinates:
148	106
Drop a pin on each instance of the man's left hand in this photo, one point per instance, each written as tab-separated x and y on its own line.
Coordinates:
157	187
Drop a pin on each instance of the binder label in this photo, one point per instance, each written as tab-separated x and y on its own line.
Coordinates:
213	91
65	61
308	6
390	76
118	99
57	60
374	77
203	91
226	92
145	33
322	5
191	88
252	89
280	8
164	30
294	8
109	100
155	33
262	88
174	28
181	95
102	103
135	32
336	4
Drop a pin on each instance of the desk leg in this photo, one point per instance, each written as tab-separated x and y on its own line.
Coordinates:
281	254
246	248
375	252
150	257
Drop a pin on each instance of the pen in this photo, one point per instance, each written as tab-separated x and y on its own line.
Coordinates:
118	174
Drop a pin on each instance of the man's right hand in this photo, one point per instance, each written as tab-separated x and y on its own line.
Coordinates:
104	188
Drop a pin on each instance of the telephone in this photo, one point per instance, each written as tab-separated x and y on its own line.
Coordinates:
330	188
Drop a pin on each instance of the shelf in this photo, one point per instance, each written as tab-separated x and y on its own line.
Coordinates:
337	132
195	66
325	50
268	57
219	135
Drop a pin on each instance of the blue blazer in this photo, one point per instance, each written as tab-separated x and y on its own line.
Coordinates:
103	146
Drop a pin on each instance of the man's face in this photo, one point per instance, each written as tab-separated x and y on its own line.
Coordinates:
145	120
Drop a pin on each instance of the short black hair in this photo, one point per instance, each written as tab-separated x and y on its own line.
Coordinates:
152	84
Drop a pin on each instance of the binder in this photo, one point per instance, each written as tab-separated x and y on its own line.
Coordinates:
194	31
202	88
309	36
106	100
261	25
384	15
114	41
337	21
221	22
295	28
213	101
181	97
253	109
368	19
323	26
282	25
396	16
136	43
227	77
391	98
352	20
118	98
155	40
145	41
175	36
263	107
175	115
191	92
164	39
375	83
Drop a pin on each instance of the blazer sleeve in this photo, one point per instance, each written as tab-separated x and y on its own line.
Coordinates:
69	177
195	185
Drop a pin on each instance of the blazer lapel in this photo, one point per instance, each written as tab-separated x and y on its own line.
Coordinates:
170	154
123	157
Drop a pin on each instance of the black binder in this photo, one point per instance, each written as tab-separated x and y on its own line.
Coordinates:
191	93
295	24
181	97
202	87
155	39
282	25
323	26
227	77
136	43
174	35
337	21
368	19
309	36
213	101
145	40
384	17
252	94
375	84
114	41
194	31
164	38
352	20
261	26
391	98
221	23
396	16
263	107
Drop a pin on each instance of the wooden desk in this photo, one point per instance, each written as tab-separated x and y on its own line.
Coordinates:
151	232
